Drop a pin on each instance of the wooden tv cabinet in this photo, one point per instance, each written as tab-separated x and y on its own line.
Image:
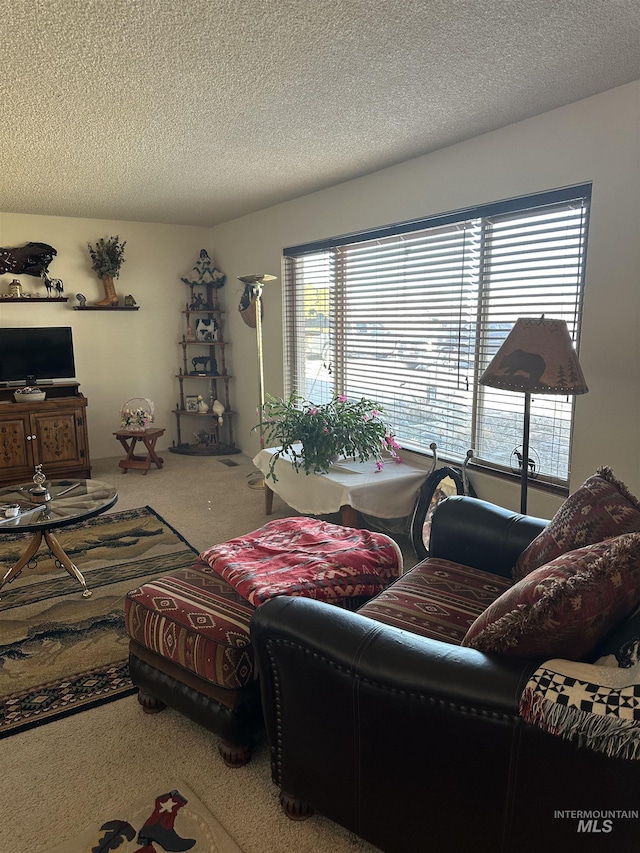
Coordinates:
52	433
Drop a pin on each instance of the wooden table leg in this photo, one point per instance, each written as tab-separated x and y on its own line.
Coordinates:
268	499
128	446
152	456
349	516
142	463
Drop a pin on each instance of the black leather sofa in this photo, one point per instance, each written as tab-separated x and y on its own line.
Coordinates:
417	745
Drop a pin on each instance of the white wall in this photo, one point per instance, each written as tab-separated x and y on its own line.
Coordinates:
598	140
119	354
136	354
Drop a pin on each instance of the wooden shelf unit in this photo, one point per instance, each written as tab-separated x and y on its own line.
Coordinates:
218	439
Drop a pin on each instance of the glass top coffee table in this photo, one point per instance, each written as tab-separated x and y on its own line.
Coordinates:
41	506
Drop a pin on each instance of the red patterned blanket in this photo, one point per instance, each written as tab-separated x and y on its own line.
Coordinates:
304	556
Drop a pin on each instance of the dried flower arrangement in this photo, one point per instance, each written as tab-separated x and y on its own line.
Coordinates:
107	256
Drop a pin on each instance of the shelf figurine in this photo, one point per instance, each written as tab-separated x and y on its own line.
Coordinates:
52	284
197	304
205	273
202	438
218	410
206	329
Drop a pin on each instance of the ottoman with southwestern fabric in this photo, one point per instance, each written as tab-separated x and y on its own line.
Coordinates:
190	647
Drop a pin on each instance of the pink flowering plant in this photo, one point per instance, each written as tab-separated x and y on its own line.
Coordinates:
313	436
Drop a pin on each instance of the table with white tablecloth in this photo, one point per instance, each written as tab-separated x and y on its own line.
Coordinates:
349	487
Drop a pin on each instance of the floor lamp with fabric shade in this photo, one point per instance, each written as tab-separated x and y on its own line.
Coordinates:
537	357
257	280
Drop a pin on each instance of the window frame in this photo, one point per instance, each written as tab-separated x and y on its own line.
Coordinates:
525	206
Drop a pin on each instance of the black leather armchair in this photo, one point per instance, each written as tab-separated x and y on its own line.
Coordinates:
417	745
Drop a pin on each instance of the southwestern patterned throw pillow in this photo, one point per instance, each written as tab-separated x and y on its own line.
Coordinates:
600	508
564	608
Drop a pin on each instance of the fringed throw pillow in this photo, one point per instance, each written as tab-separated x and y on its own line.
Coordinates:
600	508
564	608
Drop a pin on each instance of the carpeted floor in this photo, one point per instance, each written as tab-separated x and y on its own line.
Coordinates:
207	498
61	779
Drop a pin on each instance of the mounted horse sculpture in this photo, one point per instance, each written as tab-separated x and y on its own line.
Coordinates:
32	259
52	284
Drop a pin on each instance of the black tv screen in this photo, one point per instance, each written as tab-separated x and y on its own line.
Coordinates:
33	355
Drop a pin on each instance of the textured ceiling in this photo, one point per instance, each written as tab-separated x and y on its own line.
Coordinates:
199	111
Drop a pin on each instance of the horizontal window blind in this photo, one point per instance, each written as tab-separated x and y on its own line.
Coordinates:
411	320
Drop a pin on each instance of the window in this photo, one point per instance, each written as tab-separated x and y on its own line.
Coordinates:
410	316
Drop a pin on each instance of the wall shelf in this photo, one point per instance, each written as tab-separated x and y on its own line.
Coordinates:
25	300
106	307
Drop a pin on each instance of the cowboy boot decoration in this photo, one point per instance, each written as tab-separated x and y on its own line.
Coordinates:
159	826
112	835
110	295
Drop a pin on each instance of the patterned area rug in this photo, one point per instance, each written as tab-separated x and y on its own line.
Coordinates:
171	819
61	653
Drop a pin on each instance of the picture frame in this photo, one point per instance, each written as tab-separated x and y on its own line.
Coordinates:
191	403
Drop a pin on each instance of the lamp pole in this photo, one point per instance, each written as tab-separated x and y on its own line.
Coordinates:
257	293
525	453
257	282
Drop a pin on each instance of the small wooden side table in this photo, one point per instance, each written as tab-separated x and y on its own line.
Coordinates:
129	438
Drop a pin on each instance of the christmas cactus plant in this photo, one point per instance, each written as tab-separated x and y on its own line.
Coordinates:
313	437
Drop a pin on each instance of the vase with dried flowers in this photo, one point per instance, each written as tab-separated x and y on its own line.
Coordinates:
107	256
313	437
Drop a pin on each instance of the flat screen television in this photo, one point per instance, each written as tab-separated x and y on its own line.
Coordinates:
28	356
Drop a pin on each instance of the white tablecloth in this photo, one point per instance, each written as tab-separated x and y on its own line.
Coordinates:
389	493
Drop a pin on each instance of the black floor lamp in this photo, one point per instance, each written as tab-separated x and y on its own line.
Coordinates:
537	357
257	280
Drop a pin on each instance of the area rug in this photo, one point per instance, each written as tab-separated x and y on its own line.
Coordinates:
61	653
171	819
